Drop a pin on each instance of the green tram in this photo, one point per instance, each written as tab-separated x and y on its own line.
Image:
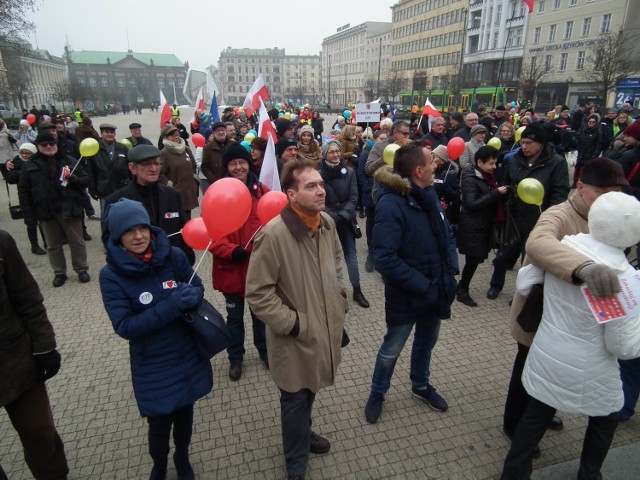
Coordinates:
443	100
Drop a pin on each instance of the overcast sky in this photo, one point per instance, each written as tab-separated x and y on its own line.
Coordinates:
197	30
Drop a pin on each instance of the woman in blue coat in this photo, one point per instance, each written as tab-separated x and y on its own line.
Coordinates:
146	290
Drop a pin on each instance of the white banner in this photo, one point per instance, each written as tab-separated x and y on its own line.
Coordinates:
368	112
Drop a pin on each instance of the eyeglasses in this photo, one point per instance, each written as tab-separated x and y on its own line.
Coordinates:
47	144
333	152
237	163
404	132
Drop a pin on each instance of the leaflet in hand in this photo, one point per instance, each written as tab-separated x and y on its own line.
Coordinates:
619	305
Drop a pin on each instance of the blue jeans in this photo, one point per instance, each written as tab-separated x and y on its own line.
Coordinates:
235	324
424	340
348	242
630	374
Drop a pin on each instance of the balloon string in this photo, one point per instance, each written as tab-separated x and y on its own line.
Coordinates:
253	236
176	233
200	261
76	165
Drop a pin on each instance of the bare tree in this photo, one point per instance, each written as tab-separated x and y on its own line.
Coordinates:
419	82
13	23
61	91
532	74
14	82
613	58
370	86
394	83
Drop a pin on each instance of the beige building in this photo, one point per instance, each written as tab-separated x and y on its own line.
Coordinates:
560	40
302	79
426	43
289	78
350	60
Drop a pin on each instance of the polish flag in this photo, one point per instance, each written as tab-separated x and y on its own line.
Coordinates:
257	92
269	172
198	105
165	111
530	5
431	112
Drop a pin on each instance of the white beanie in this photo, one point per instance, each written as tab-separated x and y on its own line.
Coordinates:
23	122
614	219
30	147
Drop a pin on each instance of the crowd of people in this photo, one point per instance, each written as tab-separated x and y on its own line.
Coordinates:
422	206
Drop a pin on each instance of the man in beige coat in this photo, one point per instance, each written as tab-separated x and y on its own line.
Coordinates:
295	284
544	250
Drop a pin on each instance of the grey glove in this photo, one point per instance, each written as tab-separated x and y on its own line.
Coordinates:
601	280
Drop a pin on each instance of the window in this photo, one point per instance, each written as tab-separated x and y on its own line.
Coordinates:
556	4
547	62
541	6
573	3
586	27
580	60
568	30
120	82
82	81
93	81
606	23
552	33
536	35
563	61
103	81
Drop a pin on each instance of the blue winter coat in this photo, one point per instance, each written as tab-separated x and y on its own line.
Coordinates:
414	251
166	371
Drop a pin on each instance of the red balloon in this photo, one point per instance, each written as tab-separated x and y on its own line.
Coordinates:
195	234
225	207
31	118
353	114
270	205
455	148
198	140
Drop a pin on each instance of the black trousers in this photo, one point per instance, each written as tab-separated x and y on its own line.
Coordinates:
295	410
31	416
597	439
517	396
505	259
160	432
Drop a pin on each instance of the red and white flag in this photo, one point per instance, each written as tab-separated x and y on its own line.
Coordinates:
269	171
530	5
257	92
165	110
431	112
199	105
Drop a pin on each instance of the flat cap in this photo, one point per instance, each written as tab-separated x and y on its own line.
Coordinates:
46	126
134	125
140	153
107	126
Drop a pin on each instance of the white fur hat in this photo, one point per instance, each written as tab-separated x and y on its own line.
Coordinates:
614	219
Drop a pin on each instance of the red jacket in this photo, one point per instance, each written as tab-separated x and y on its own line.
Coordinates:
230	276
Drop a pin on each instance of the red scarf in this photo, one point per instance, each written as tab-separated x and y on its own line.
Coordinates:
499	213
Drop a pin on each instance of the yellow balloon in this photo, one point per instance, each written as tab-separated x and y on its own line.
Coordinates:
495	143
249	137
389	153
89	147
127	143
531	191
287	116
519	133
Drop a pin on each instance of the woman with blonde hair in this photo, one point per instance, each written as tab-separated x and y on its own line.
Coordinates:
308	147
348	143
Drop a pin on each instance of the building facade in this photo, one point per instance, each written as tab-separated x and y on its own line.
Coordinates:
101	78
351	59
559	47
426	43
494	43
302	79
30	77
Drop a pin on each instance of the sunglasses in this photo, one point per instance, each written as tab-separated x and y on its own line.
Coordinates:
47	144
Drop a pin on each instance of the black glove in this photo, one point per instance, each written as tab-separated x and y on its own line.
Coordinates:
239	254
93	194
47	364
186	296
601	280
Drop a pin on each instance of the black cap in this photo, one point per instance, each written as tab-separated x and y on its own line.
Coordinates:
58	121
45	137
535	132
603	172
140	153
217	125
46	126
283	144
235	151
134	125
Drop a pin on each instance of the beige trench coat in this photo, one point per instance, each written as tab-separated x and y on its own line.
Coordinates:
546	252
294	272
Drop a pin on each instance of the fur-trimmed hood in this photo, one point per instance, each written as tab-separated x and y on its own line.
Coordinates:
385	176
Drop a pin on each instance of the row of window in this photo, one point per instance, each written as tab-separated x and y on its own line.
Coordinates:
605	25
431	42
425	25
121	82
564	60
419	8
557	4
427	62
231	69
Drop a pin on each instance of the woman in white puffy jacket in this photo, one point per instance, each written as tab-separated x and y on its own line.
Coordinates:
572	365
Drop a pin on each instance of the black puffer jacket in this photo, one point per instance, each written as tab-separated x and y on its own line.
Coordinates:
589	143
551	170
108	174
478	209
342	191
41	192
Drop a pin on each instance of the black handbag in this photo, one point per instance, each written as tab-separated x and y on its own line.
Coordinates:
505	233
15	211
530	316
210	332
357	233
